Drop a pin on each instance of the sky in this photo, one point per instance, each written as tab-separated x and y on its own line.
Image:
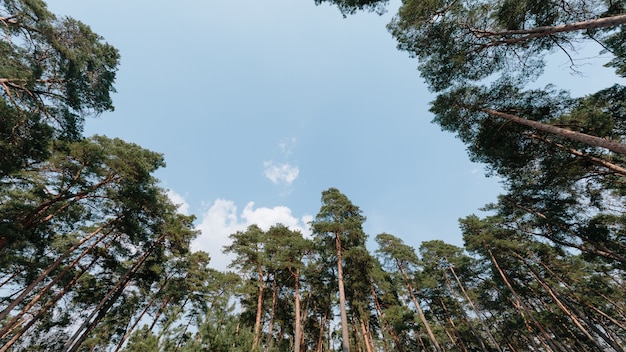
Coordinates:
259	106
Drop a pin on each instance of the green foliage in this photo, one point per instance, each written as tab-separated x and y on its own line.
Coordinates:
349	7
94	255
53	74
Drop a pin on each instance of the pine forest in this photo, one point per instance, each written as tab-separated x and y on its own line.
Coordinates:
94	256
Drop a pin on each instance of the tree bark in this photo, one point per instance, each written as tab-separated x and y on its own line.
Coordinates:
345	335
614	146
46	272
74	342
143	312
478	338
420	312
569	27
297	321
49	286
478	314
523	309
595	160
270	328
49	304
259	310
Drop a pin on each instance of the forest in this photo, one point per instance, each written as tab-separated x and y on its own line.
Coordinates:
94	256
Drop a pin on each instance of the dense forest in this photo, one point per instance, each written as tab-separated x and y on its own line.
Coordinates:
95	257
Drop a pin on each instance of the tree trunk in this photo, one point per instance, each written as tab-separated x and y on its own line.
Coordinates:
143	312
595	160
270	328
420	312
320	338
46	272
259	310
551	30
165	302
48	304
366	336
380	315
572	315
73	343
345	335
297	321
523	310
56	279
614	146
101	313
478	314
478	338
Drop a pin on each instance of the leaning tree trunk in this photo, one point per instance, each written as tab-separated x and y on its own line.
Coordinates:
478	338
523	309
47	272
140	316
81	333
614	146
571	312
44	309
520	35
478	314
420	312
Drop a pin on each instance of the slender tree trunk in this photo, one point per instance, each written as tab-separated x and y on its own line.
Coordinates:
345	335
595	160
143	312
77	338
298	318
530	33
570	313
39	314
9	278
614	146
181	339
366	336
101	313
51	284
420	312
48	304
259	310
453	324
617	306
47	272
478	338
270	328
456	339
523	310
478	313
381	318
320	338
356	337
159	311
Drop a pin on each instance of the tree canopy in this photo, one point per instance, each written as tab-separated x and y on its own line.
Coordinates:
95	256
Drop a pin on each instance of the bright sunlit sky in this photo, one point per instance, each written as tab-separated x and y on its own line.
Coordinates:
260	105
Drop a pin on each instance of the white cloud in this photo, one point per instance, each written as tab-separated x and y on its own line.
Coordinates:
281	173
286	145
183	206
221	220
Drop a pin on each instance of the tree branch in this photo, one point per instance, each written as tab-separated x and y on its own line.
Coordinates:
614	146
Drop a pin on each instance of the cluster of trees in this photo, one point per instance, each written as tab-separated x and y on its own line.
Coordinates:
94	256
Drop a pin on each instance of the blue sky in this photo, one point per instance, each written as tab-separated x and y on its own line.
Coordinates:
259	106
